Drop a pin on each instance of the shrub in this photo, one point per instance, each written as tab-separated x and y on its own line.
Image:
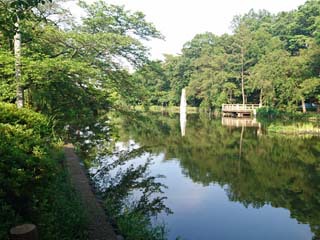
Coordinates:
25	162
39	123
272	113
34	186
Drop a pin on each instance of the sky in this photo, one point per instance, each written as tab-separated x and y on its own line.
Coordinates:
180	20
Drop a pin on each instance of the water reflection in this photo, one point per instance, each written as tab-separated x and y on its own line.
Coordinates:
228	183
239	122
183	124
183	113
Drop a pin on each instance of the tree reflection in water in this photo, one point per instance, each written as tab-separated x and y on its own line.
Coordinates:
258	169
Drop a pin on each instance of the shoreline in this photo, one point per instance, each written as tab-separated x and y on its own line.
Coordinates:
99	227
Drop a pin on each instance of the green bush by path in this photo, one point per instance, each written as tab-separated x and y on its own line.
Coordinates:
29	119
34	186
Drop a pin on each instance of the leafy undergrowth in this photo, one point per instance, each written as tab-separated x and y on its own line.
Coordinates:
131	196
34	185
268	113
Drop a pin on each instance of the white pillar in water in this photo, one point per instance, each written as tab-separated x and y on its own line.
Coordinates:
183	112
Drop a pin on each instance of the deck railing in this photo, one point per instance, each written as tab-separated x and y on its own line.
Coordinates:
240	107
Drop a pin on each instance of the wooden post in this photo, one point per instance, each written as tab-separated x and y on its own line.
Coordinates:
24	232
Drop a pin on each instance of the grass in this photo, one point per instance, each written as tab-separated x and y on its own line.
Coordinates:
60	213
302	128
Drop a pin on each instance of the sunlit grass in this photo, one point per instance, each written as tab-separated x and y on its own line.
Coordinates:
302	128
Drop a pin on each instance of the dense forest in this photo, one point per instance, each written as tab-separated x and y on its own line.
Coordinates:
269	59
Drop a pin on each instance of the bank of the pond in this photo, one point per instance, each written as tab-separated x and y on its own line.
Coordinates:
169	109
299	129
268	113
116	180
98	225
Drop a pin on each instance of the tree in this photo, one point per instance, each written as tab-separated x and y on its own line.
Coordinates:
211	83
305	73
177	70
152	84
268	74
17	10
240	55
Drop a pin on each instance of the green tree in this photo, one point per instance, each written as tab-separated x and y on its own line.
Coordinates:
15	11
268	74
240	56
73	71
305	73
152	84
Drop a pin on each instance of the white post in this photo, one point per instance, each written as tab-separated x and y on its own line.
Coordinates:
17	55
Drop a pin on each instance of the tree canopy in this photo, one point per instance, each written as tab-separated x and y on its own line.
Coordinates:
272	59
71	69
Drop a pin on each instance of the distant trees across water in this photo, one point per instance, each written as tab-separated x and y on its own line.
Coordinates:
268	59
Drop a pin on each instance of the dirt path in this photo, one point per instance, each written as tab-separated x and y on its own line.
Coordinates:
99	228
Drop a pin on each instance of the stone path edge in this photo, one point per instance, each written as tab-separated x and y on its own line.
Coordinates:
98	226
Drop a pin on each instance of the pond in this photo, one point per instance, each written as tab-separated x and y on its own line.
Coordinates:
228	179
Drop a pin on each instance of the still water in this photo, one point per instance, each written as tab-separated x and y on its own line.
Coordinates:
229	181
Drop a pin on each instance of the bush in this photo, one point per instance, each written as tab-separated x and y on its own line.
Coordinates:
39	123
34	186
25	161
272	113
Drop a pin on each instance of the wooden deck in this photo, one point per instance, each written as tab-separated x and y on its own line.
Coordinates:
239	110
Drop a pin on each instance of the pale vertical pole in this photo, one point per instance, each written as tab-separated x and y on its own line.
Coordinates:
17	55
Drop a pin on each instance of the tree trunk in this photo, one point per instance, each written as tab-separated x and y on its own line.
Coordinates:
17	55
304	109
24	232
242	77
260	99
240	149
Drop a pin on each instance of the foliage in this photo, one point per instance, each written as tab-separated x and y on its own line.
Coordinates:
305	128
26	120
32	176
7	86
25	162
131	196
269	113
71	71
59	211
268	59
152	85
